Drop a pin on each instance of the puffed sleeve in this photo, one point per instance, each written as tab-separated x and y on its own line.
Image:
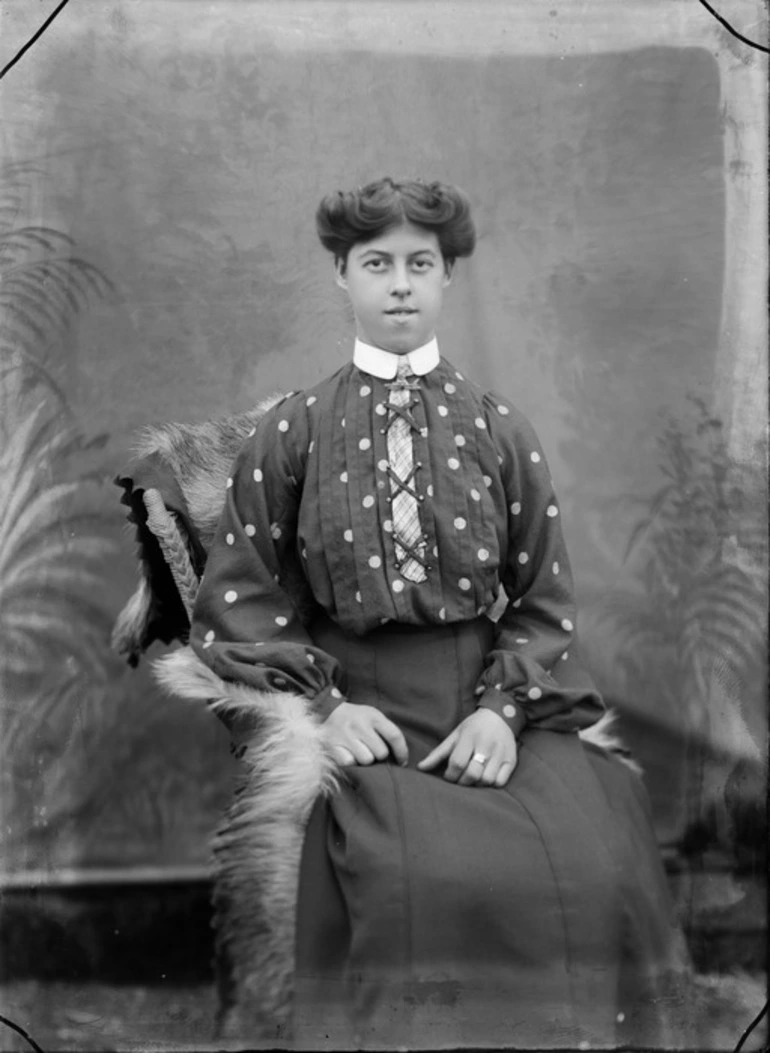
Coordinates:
246	623
532	676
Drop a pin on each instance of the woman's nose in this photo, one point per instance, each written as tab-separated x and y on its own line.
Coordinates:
400	283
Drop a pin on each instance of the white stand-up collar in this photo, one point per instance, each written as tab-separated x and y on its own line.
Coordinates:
384	364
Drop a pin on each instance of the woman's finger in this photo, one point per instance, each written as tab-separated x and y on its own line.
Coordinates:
477	764
362	753
504	774
440	753
393	736
343	756
491	770
459	760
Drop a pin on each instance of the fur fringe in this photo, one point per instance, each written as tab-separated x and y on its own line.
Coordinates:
131	623
258	846
602	736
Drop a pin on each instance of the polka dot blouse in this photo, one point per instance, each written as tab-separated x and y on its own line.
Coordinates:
307	528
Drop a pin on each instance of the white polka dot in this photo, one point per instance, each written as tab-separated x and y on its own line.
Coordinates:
499	458
565	656
207	644
311	446
229	483
336	693
280	620
382	465
535	457
487	481
435	551
250	530
230	539
442	411
283	425
460	523
258	477
387	526
555	568
567	625
503	410
552	511
509	711
342	423
480	422
348	535
620	1017
453	463
459	440
534	693
475	495
375	562
459	375
429	489
483	554
252	432
304	553
442	614
481	610
516	604
523	558
358	597
516	508
231	596
275	531
398	585
311	658
364	444
209	636
368	501
522	640
364	390
424	433
311	400
465	584
450	388
343	477
380	409
498	687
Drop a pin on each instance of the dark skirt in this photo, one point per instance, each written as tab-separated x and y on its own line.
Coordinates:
432	914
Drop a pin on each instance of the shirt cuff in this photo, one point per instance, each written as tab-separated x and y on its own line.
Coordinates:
502	704
326	701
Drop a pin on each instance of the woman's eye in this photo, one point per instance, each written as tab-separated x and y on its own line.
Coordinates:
421	265
375	265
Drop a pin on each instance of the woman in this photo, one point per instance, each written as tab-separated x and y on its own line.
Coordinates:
481	877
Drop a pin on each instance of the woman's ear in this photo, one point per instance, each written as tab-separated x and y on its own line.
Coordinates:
449	267
340	272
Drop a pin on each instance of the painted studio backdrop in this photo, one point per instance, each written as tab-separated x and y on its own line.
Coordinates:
161	164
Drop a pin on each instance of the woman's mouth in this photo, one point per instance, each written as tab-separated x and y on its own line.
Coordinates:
401	312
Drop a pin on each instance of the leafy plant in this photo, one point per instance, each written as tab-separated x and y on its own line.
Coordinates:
691	622
44	287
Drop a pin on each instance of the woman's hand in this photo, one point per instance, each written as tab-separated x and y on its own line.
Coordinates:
481	735
363	735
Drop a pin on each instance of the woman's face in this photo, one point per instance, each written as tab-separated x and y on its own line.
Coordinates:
396	285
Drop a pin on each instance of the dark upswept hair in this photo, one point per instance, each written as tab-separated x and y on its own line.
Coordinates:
346	218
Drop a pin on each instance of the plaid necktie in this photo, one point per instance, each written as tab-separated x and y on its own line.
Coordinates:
407	531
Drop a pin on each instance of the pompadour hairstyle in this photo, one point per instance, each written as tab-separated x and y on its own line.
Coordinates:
348	217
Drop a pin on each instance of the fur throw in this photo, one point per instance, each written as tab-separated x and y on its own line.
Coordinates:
189	465
257	849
